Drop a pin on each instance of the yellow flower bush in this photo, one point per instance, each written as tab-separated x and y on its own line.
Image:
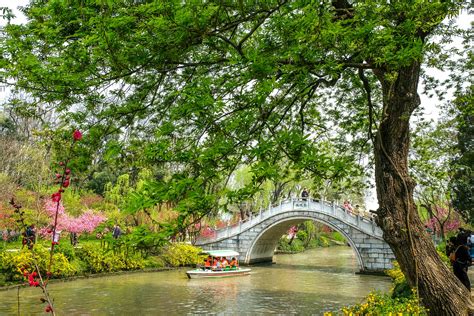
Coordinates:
181	254
97	260
13	264
379	304
401	302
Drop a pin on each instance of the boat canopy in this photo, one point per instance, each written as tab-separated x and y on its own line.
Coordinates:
221	253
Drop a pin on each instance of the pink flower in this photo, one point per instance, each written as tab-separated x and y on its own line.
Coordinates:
66	183
77	135
68	171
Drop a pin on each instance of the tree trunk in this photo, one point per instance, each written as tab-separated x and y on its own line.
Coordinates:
441	230
440	291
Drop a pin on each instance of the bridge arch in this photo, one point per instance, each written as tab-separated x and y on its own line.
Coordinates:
257	238
279	228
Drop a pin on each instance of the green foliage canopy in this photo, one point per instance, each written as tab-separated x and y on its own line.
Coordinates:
202	88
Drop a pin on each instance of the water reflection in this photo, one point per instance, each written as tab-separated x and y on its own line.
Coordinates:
309	283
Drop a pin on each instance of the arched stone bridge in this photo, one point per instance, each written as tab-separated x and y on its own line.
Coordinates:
257	238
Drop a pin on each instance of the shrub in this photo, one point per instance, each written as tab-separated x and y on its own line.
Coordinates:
61	266
66	249
12	264
154	262
180	254
400	289
97	260
337	236
324	241
380	304
314	243
295	246
302	235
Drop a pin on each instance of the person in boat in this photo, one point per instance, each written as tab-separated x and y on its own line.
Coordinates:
217	264
225	263
208	263
214	262
234	263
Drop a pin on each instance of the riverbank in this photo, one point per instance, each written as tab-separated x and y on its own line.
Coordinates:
92	259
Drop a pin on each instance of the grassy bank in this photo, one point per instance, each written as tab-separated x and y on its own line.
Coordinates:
302	242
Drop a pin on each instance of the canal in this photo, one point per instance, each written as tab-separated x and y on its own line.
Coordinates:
312	282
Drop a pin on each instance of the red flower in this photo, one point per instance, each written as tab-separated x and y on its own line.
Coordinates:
48	309
31	280
68	171
77	135
58	176
66	183
61	163
56	197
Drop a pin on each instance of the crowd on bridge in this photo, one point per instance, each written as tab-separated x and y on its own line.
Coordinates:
357	210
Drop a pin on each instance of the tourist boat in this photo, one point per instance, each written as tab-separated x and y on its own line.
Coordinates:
201	272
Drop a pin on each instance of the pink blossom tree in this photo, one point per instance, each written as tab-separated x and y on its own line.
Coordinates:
443	220
87	222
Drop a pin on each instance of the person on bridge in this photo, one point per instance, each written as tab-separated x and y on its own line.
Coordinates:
304	194
347	206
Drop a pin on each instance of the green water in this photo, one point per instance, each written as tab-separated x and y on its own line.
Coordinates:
305	284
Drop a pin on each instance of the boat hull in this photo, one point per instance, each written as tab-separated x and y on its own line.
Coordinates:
199	273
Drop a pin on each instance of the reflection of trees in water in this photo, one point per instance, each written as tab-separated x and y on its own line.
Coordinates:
338	259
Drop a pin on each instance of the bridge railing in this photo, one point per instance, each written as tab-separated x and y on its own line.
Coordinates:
364	224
